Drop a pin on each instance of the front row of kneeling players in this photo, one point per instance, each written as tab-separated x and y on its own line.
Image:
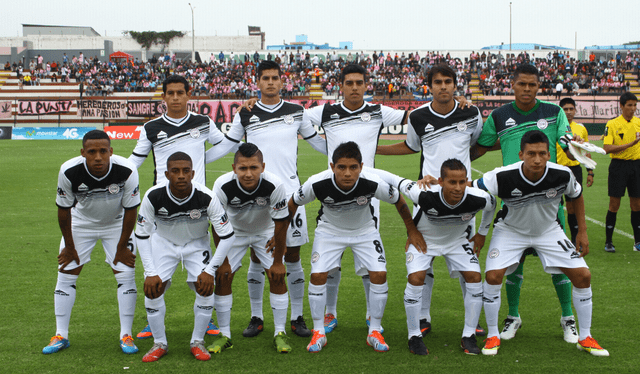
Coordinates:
177	214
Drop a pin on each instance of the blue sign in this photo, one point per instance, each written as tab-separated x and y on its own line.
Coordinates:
57	133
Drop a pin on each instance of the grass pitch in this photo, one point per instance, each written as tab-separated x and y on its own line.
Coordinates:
29	246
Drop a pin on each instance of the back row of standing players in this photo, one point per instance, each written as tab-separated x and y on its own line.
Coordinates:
441	130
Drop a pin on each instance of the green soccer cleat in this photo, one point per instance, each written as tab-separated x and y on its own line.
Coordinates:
281	342
220	344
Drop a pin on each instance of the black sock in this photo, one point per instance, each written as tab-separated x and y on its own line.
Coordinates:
573	226
635	222
610	224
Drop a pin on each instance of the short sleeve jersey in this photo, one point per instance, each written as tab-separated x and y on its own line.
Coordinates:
362	126
181	221
163	136
345	213
275	132
530	208
440	137
509	124
619	131
97	203
576	129
253	212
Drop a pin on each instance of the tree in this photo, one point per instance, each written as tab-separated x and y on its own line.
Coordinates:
147	38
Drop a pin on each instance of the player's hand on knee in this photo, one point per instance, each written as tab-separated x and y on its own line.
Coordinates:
124	255
66	256
415	238
276	272
204	284
222	273
582	244
271	244
152	287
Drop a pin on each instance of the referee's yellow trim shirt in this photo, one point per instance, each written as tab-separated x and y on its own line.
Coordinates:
619	131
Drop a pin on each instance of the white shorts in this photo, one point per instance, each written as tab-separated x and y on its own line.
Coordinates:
367	250
85	241
459	257
239	249
553	247
194	255
297	234
359	267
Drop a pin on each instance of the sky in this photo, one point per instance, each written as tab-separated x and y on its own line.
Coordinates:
373	25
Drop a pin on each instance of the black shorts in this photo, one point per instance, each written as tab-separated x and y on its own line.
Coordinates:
577	172
624	174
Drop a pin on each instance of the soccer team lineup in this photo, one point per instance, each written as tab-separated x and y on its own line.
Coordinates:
529	207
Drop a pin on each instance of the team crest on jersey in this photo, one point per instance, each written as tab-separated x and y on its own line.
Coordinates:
551	193
83	187
329	200
195	133
315	256
409	257
195	214
61	192
432	211
335	116
288	119
114	189
362	200
254	118
466	216
261	201
516	192
461	126
366	117
542	124
162	135
510	122
494	253
428	128
163	211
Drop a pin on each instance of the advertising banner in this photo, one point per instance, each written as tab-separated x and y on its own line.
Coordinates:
58	133
108	109
5	132
123	132
150	108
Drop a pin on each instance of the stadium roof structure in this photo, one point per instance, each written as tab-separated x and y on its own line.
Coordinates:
614	47
90	30
523	46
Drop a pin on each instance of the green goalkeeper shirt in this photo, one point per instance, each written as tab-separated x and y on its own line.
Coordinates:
509	123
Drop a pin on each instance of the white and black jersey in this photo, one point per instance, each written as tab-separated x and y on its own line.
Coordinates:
98	203
345	213
181	221
165	136
362	126
440	137
252	212
530	208
441	222
275	131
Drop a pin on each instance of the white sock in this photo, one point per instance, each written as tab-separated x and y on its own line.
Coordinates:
333	282
583	302
295	284
223	306
366	283
427	290
156	310
202	308
279	305
127	295
412	305
378	294
317	303
64	297
255	281
463	286
472	308
491	297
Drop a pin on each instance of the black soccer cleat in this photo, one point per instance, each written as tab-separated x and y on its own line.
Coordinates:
480	331
469	345
299	327
256	325
425	327
417	347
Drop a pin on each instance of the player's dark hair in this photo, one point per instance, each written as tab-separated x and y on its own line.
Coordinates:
178	156
525	69
627	96
95	135
347	150
268	65
351	69
175	79
443	69
248	150
567	100
451	164
533	137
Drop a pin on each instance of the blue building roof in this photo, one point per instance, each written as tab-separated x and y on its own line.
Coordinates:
523	46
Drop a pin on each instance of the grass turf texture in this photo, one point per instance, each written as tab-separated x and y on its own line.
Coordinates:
29	246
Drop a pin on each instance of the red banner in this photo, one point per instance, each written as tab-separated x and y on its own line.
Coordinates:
123	132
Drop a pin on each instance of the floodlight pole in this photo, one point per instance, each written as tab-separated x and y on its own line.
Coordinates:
509	25
193	37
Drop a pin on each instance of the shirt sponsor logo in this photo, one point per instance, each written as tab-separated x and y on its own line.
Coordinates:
136	191
366	117
280	204
195	133
114	189
510	122
551	193
141	219
195	214
261	201
61	192
254	118
335	116
162	135
163	211
235	200
428	128
83	187
432	211
494	253
516	192
288	119
300	193
329	200
224	219
362	200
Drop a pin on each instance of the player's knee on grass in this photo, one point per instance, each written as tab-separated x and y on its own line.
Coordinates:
417	278
292	254
471	276
378	277
494	277
579	277
318	279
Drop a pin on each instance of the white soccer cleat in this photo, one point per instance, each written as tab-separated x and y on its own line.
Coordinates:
511	326
569	328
